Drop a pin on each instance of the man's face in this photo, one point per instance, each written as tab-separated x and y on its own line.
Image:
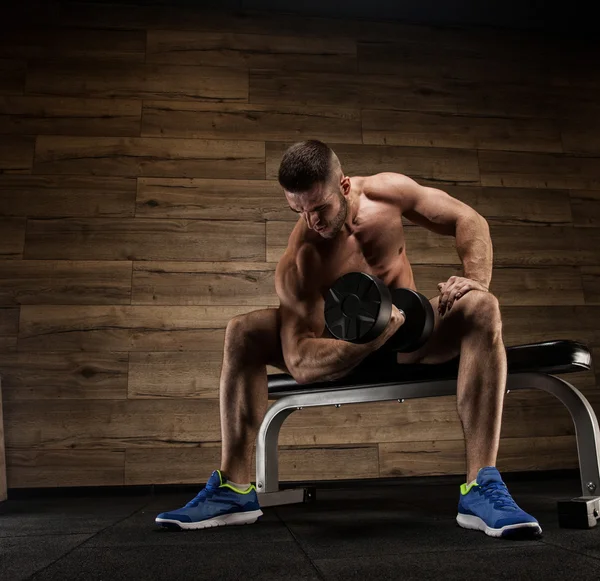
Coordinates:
323	207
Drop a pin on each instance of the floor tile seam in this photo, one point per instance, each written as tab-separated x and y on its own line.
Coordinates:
319	573
80	545
557	546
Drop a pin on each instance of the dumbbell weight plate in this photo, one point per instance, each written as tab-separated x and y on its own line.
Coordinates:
358	307
419	323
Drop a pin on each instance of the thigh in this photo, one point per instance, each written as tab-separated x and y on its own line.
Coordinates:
445	340
262	329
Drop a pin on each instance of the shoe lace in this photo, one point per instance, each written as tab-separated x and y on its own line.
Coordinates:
498	493
205	493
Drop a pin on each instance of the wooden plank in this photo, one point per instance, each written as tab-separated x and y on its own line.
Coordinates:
107	425
581	135
174	375
535	324
150	465
425	164
8	345
190	374
27	114
390	92
499	99
513	245
262	122
439	458
31	282
257	51
3	482
278	234
422	59
63	376
335	463
526	286
404	93
537	246
9	322
58	468
138	81
516	206
463	131
590	276
16	154
12	76
169	466
73	43
303	88
12	238
123	328
538	170
586	207
65	196
111	156
596	362
574	104
212	199
204	283
145	239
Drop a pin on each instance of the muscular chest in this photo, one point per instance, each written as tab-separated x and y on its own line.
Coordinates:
377	248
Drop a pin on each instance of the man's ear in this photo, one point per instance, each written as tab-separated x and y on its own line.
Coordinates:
345	184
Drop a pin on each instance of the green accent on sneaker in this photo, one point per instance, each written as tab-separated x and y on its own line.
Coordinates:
226	485
247	491
465	488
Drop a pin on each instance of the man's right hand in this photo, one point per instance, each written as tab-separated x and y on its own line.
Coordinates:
396	321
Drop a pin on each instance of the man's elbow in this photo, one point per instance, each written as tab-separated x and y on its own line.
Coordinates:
474	218
295	366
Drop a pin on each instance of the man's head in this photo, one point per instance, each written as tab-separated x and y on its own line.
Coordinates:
315	186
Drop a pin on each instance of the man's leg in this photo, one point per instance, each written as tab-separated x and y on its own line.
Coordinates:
473	329
482	384
252	342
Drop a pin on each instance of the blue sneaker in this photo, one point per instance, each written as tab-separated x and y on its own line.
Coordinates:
217	504
488	506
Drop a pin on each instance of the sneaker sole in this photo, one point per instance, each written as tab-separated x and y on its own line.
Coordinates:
237	518
527	530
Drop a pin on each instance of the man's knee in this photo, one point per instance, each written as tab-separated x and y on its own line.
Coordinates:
252	336
482	311
236	330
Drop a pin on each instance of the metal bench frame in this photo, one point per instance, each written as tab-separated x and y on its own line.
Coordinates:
267	462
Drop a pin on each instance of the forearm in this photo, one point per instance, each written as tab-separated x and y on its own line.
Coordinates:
328	359
474	246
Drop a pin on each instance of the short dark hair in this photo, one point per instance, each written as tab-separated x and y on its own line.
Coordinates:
304	164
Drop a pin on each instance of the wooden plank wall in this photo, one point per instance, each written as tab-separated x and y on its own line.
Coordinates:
140	212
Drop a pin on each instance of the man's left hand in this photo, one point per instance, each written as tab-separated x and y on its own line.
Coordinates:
454	288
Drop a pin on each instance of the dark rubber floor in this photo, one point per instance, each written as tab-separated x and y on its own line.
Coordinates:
402	529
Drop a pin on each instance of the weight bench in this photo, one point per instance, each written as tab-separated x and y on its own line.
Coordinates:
529	366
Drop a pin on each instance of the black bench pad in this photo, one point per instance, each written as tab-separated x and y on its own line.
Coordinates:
550	357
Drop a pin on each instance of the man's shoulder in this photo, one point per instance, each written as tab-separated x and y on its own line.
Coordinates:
383	181
297	269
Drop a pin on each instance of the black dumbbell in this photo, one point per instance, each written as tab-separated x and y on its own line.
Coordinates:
358	308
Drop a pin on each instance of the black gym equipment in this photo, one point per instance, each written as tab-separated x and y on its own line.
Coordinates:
358	308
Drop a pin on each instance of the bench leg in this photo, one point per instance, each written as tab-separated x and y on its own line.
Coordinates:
586	424
267	460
